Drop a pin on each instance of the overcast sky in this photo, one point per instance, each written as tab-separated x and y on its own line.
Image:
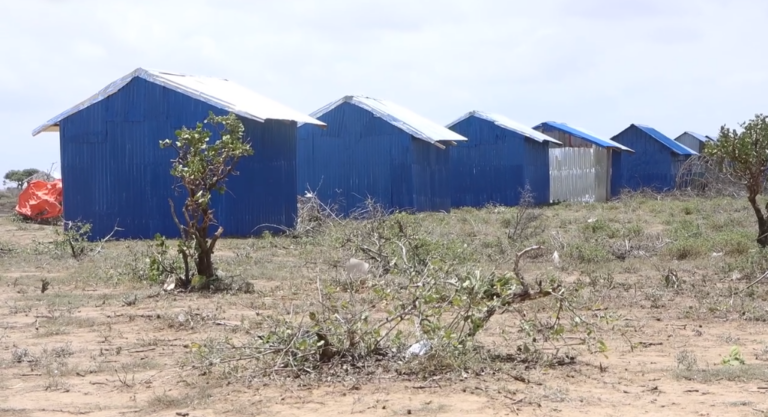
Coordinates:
599	64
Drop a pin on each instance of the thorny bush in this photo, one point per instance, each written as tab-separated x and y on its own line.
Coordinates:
424	301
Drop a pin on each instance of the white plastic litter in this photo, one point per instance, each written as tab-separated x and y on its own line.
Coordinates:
356	268
556	258
418	349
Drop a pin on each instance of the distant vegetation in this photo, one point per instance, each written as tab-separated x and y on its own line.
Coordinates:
743	157
8	199
18	176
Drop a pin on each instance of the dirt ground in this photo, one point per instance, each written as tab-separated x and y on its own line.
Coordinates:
100	341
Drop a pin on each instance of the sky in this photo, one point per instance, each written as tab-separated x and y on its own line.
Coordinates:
598	64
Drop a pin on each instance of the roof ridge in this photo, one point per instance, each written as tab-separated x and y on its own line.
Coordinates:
398	116
507	123
218	92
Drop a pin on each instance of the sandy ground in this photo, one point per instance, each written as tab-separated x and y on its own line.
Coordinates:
105	358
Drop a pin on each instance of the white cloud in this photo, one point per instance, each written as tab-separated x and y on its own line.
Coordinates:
600	64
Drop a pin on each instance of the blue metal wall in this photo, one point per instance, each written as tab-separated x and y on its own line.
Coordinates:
431	176
617	173
114	171
651	166
495	164
360	155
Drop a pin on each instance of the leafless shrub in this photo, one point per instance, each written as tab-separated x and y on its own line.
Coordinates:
314	215
424	300
526	223
703	176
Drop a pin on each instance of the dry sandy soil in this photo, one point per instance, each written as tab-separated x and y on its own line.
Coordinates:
102	341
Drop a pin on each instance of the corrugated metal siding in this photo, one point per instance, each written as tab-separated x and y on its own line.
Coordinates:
360	155
608	180
537	171
431	176
478	165
114	171
264	191
578	174
617	174
651	164
678	161
602	160
495	164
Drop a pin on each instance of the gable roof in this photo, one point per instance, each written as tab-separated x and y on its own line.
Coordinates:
400	117
676	147
218	92
585	135
699	137
509	124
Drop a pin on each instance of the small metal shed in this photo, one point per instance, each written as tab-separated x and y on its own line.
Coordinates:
114	173
376	149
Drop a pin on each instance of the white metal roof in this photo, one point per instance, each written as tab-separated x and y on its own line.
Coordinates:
400	117
509	124
218	92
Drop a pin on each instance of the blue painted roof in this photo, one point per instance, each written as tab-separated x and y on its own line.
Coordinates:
676	147
583	134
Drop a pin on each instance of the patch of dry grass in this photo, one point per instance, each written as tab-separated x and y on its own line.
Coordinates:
625	267
8	199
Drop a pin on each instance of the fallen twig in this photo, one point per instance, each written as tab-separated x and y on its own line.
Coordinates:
755	281
140	350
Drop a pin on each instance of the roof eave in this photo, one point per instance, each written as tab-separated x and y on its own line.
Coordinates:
45	128
551	140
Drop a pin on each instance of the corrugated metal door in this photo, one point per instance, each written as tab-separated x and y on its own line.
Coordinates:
578	174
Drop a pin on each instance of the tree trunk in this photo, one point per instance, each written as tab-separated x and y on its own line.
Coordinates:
204	262
762	223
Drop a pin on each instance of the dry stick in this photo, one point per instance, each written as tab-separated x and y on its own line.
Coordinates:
102	241
755	281
516	269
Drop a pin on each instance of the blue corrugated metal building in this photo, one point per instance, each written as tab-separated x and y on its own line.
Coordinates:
115	174
500	158
572	137
656	161
375	149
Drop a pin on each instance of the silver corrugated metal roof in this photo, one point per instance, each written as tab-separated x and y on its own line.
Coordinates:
400	117
218	92
700	137
509	124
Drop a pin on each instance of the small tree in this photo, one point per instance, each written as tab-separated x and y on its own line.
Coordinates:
18	176
202	168
743	156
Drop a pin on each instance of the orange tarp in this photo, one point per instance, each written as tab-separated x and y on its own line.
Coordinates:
40	200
